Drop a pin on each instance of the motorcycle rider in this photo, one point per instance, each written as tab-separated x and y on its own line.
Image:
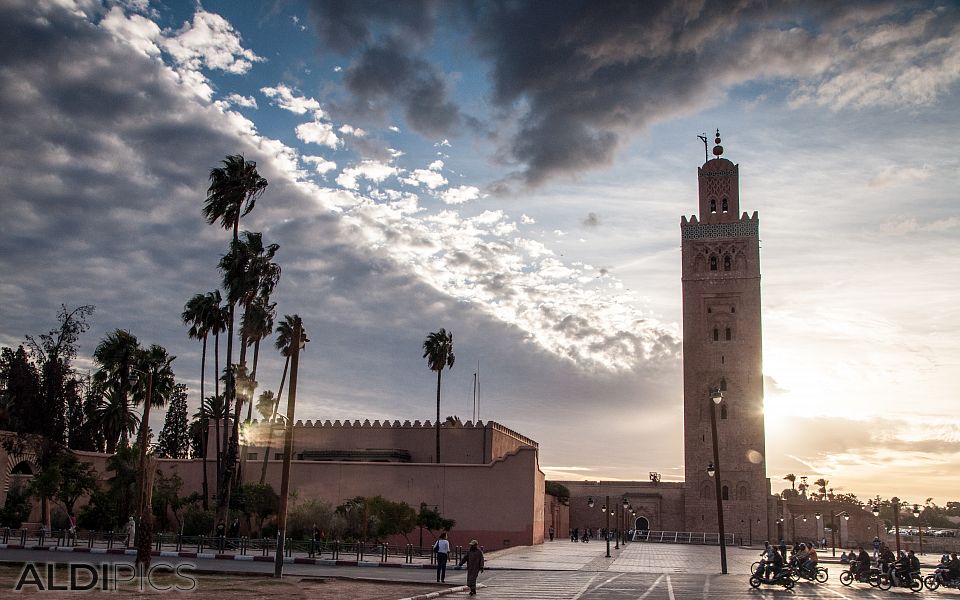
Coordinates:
953	568
810	564
899	568
863	563
886	559
774	564
913	564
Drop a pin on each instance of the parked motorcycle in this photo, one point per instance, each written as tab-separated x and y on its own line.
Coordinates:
908	580
782	578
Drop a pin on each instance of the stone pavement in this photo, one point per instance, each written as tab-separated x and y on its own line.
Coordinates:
634	557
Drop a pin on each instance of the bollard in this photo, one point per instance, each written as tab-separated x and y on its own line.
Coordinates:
179	542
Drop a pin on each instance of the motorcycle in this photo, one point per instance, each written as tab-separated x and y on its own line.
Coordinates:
939	579
782	578
871	576
820	575
911	580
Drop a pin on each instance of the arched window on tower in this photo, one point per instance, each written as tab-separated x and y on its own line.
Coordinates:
716	334
713	263
725	493
723	412
713	206
727	262
723	205
728	334
742	492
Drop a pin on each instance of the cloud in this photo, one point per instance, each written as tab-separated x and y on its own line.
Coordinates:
427	177
210	41
318	132
591	220
285	98
387	73
346	25
898	174
351	130
912	225
320	164
459	195
370	170
242	101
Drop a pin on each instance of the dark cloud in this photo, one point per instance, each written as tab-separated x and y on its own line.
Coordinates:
591	220
347	25
386	73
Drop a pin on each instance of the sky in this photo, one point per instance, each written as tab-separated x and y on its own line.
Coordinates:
514	172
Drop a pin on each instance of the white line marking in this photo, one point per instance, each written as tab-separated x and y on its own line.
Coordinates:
652	587
706	587
585	587
670	589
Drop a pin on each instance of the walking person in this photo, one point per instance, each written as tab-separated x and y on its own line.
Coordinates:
131	531
221	535
552	531
474	561
442	550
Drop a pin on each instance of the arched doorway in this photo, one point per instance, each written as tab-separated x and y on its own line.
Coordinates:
22	468
642	524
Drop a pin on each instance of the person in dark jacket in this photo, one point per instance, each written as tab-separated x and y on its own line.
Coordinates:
473	558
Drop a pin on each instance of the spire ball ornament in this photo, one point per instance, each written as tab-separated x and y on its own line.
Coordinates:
718	149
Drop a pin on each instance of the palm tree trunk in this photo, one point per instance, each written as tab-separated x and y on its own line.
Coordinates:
439	372
216	391
226	479
273	417
203	444
253	381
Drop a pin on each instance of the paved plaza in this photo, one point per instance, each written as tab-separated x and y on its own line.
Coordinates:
562	570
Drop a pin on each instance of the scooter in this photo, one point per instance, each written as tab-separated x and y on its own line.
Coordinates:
782	578
820	575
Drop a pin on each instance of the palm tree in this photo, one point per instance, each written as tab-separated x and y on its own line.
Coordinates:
438	350
113	417
204	315
803	488
257	324
792	479
822	484
115	355
249	273
284	341
213	408
156	362
233	192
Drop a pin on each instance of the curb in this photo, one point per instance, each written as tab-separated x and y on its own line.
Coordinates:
454	590
324	562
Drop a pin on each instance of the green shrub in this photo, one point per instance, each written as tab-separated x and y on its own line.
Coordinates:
197	521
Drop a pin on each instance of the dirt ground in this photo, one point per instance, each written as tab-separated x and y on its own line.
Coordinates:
210	587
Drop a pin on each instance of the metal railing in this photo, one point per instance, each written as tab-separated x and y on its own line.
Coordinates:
242	546
683	537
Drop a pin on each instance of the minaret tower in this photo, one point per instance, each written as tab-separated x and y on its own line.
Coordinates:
722	349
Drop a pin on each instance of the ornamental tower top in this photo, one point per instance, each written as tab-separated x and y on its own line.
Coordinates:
719	188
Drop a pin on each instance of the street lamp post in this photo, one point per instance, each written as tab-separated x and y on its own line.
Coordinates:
895	502
607	515
916	514
876	514
833	529
716	396
144	481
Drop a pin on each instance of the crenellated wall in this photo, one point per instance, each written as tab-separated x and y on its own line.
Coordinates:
467	443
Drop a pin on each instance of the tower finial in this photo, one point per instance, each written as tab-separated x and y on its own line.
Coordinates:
718	149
